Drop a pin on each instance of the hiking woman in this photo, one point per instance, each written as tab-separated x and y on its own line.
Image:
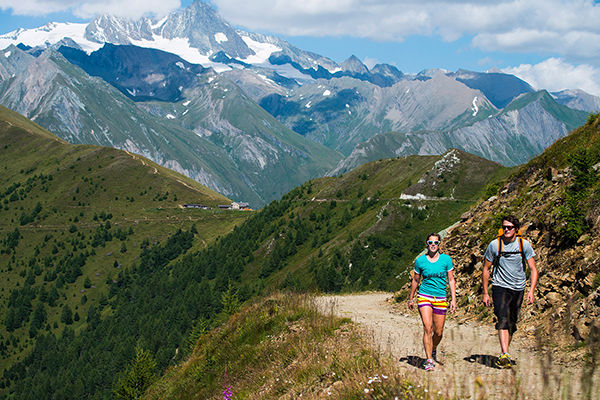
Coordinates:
436	271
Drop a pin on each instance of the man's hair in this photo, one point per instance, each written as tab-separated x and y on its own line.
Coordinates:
437	235
513	220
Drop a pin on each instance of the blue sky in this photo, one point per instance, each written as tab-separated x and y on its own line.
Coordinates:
553	44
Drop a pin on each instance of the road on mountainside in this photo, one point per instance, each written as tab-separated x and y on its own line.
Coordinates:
465	354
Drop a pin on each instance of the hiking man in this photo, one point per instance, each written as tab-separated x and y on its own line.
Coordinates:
437	271
510	254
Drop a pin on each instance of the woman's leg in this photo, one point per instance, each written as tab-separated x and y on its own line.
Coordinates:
427	318
438	328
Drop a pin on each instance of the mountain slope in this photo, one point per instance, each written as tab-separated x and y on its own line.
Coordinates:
499	88
246	140
305	241
344	112
520	131
72	218
557	197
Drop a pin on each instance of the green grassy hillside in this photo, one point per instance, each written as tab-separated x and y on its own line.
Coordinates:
358	231
72	217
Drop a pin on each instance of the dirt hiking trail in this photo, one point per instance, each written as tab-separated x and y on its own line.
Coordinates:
465	355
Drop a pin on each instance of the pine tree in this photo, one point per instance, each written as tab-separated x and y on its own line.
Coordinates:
230	300
138	376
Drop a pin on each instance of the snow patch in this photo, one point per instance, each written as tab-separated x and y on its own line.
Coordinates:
49	34
475	108
220	37
170	116
160	23
327	93
182	48
308	105
180	64
262	51
186	103
7	54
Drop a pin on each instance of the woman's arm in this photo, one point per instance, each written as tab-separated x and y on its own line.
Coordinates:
413	288
452	284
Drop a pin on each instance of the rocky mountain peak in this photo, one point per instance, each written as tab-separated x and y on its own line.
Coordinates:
353	64
387	70
117	30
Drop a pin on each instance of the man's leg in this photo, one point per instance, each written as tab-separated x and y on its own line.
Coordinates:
504	337
501	298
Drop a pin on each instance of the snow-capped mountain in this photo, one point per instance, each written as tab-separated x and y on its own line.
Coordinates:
277	115
215	134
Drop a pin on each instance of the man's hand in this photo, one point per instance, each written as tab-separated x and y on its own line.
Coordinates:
530	298
486	300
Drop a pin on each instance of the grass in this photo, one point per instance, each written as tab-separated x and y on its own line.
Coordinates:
82	190
284	347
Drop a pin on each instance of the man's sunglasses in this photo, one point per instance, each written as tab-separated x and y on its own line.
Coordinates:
436	242
508	227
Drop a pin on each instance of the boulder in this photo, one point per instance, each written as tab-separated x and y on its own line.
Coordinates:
554	299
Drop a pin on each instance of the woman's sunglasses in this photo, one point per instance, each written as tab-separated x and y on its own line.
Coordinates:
436	242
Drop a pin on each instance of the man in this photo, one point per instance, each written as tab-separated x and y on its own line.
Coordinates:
510	254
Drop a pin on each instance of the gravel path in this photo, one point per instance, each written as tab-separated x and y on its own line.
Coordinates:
465	354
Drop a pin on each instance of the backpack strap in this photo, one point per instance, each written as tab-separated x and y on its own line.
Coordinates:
522	251
501	253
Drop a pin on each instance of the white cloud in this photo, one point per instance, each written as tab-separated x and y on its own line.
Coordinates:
370	62
89	8
564	27
555	74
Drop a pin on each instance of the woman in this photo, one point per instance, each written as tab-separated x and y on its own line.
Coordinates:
436	271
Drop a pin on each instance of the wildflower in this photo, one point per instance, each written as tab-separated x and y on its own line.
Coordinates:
227	393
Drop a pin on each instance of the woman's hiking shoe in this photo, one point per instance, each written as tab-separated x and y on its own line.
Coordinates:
504	361
429	365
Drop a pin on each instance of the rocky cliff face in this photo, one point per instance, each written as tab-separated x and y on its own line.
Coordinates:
568	293
512	136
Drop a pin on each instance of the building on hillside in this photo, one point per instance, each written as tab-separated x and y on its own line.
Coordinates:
201	206
235	206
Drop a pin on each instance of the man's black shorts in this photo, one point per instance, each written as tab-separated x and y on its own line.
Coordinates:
507	303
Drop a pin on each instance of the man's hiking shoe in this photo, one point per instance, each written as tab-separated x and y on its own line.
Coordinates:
429	365
434	355
504	361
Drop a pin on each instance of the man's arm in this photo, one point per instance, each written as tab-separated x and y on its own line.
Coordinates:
534	279
486	280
